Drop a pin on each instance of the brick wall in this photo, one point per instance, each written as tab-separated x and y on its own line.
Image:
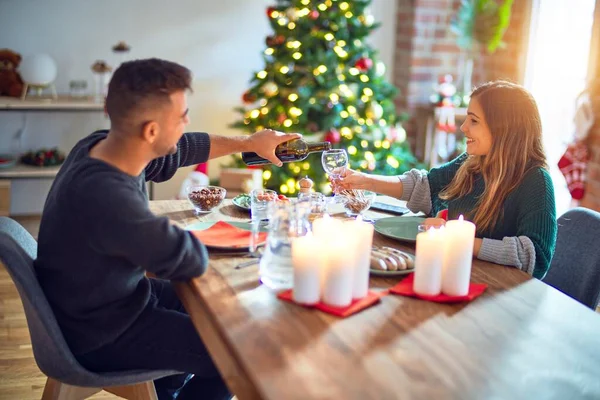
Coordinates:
426	49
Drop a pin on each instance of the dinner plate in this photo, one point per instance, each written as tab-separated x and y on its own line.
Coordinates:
399	228
241	202
202	225
378	272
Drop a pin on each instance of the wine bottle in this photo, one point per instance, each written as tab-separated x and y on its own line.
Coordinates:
290	151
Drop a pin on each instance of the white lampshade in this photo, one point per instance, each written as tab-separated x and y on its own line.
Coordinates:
38	69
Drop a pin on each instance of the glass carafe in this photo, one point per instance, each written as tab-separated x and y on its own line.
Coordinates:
286	221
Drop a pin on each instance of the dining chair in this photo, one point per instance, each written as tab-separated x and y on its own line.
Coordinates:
575	267
67	379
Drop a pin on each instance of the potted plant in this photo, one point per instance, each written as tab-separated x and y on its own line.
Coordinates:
477	24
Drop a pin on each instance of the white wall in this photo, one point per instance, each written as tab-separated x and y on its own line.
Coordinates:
220	41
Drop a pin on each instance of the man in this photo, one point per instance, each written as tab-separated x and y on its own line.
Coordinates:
98	237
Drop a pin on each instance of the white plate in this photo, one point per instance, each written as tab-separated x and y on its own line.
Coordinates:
378	272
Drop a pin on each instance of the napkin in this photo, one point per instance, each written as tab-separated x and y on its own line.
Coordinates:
353	308
405	288
223	234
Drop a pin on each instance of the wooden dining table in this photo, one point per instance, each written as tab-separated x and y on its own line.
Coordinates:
521	339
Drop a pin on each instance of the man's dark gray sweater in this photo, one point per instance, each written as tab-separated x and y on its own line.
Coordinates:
98	237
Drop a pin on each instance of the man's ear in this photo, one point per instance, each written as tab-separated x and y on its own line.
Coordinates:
150	131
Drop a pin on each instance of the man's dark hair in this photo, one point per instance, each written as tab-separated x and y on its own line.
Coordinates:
139	84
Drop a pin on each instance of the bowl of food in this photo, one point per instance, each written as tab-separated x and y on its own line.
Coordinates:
205	198
357	202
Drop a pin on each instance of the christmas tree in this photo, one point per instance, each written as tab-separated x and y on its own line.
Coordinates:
323	80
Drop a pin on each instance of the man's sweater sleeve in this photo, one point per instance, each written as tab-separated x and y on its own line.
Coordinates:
192	148
120	224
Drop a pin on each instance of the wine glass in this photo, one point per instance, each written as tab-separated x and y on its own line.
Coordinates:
334	163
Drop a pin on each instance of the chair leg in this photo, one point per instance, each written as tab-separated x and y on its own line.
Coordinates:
55	390
139	391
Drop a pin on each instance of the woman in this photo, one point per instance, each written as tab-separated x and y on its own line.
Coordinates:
500	183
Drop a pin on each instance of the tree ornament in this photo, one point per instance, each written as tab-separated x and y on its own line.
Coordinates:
270	89
332	136
274	41
367	19
270	41
271	11
314	14
364	64
281	118
292	13
249	97
396	134
379	68
374	110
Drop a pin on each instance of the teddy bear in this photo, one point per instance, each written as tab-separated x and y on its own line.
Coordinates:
11	83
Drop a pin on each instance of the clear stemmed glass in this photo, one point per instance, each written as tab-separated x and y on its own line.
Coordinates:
334	163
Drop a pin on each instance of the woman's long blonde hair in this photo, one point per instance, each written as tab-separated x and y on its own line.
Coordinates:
514	121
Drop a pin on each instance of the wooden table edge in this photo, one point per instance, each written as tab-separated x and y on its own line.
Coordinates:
219	348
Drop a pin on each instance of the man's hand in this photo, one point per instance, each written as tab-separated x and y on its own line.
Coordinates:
264	143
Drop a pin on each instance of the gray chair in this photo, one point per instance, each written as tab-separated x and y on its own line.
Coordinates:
575	267
67	379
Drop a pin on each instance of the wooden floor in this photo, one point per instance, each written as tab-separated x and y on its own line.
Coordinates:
20	378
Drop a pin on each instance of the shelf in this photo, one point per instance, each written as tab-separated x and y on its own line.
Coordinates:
21	171
62	103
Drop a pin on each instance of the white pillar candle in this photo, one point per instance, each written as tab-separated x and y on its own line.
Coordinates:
429	259
337	282
361	242
308	260
458	257
326	227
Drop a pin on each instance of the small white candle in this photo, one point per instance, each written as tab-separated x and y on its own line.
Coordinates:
337	282
458	257
360	242
307	259
429	259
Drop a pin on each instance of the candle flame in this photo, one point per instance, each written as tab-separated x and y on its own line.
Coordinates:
461	217
359	218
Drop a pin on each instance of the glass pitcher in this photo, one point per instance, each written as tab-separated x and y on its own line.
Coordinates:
286	221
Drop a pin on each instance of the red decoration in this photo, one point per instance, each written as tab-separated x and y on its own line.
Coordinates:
202	168
364	64
248	98
333	136
573	165
272	41
314	14
281	118
270	12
